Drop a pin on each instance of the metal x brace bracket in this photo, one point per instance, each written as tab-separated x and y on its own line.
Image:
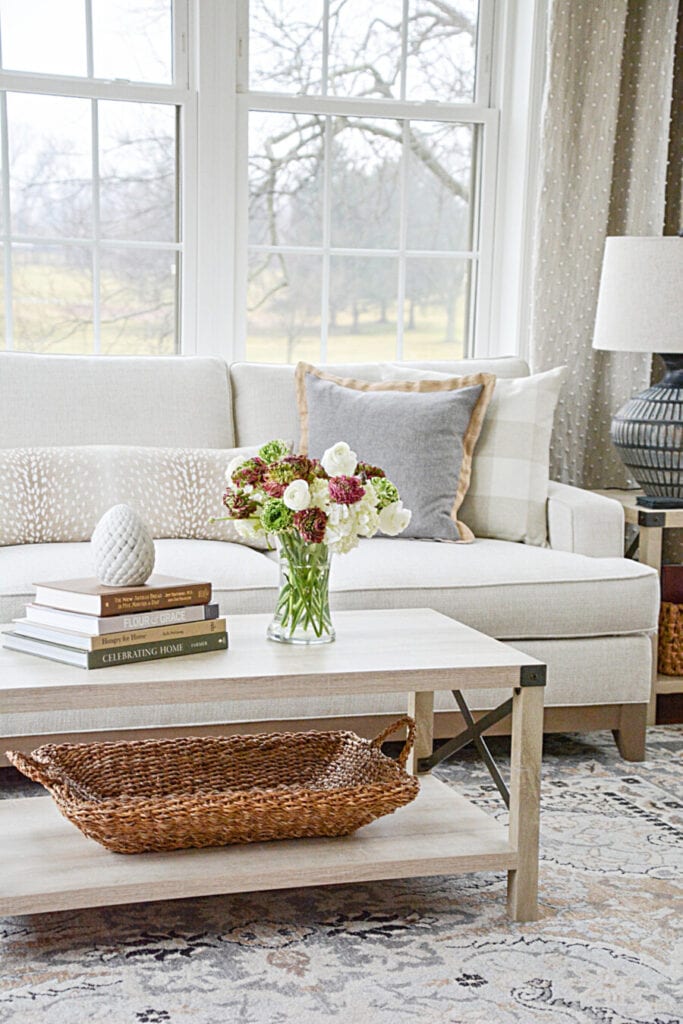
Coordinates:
474	730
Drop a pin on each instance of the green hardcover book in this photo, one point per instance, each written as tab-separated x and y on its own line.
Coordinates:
120	655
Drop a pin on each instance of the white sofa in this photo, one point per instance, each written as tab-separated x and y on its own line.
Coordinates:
576	605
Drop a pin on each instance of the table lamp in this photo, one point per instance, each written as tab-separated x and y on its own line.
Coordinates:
640	309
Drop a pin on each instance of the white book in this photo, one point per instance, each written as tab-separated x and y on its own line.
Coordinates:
112	641
94	625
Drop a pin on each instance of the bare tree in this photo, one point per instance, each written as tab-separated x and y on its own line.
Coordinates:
52	197
288	153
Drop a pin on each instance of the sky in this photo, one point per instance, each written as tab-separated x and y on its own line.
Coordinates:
131	38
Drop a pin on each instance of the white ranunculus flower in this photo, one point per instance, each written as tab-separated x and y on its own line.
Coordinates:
341	537
339	460
249	529
368	522
368	503
342	545
320	494
394	518
234	464
342	517
297	496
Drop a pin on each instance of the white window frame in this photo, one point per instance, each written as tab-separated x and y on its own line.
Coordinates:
182	94
210	37
478	113
515	70
518	82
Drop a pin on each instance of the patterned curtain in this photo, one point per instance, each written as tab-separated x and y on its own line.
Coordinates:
603	171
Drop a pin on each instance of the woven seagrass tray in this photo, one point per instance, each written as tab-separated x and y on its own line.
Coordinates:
212	791
670	639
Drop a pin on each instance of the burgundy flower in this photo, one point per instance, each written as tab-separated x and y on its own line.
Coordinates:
365	471
239	506
284	472
300	467
273	487
346	490
317	470
250	472
311	525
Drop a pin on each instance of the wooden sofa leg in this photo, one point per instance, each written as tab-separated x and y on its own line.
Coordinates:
630	736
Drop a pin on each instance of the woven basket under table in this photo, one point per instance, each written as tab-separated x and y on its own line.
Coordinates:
670	639
212	791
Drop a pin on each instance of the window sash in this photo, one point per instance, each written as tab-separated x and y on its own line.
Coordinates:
485	154
180	95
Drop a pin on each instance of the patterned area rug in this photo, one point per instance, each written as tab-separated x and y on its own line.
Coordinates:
607	950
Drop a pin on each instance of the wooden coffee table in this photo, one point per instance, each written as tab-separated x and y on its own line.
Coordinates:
48	865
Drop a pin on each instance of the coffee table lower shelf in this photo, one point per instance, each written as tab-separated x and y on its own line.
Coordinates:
48	865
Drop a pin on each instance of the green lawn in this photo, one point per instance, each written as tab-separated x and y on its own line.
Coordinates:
53	313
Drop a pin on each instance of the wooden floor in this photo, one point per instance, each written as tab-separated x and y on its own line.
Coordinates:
48	865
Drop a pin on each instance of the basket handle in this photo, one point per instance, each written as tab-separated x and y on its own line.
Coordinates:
35	770
394	727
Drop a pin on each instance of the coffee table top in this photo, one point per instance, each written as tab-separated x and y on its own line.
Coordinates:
398	650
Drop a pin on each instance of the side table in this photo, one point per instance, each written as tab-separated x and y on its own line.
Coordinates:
651	524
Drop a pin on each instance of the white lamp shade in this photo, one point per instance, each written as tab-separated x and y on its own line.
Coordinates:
640	304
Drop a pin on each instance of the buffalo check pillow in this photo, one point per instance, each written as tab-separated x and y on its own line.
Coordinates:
508	491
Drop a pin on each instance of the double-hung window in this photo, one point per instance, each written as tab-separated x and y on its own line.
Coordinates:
263	179
93	103
369	182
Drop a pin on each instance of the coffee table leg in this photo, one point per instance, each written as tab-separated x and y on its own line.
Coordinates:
421	708
525	792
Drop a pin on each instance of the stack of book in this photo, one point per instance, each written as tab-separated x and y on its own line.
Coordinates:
83	623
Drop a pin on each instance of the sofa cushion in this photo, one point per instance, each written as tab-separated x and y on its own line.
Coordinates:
257	420
244	580
510	591
422	434
171	401
59	494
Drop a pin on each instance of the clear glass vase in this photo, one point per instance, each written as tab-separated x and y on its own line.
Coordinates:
302	615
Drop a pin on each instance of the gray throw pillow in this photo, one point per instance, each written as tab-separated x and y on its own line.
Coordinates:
421	433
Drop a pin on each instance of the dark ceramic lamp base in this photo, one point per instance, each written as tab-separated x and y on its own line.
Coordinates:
648	434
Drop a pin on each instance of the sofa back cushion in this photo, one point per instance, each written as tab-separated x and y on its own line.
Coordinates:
143	400
57	495
264	394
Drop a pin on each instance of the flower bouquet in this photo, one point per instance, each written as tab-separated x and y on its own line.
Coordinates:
314	509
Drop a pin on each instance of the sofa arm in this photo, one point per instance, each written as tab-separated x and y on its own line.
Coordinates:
584	522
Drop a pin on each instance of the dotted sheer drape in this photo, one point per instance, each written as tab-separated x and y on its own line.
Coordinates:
605	136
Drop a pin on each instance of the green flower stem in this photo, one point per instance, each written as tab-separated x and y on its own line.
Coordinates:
303	599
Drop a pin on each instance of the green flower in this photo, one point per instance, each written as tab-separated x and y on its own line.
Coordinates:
274	450
386	492
275	516
277	477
